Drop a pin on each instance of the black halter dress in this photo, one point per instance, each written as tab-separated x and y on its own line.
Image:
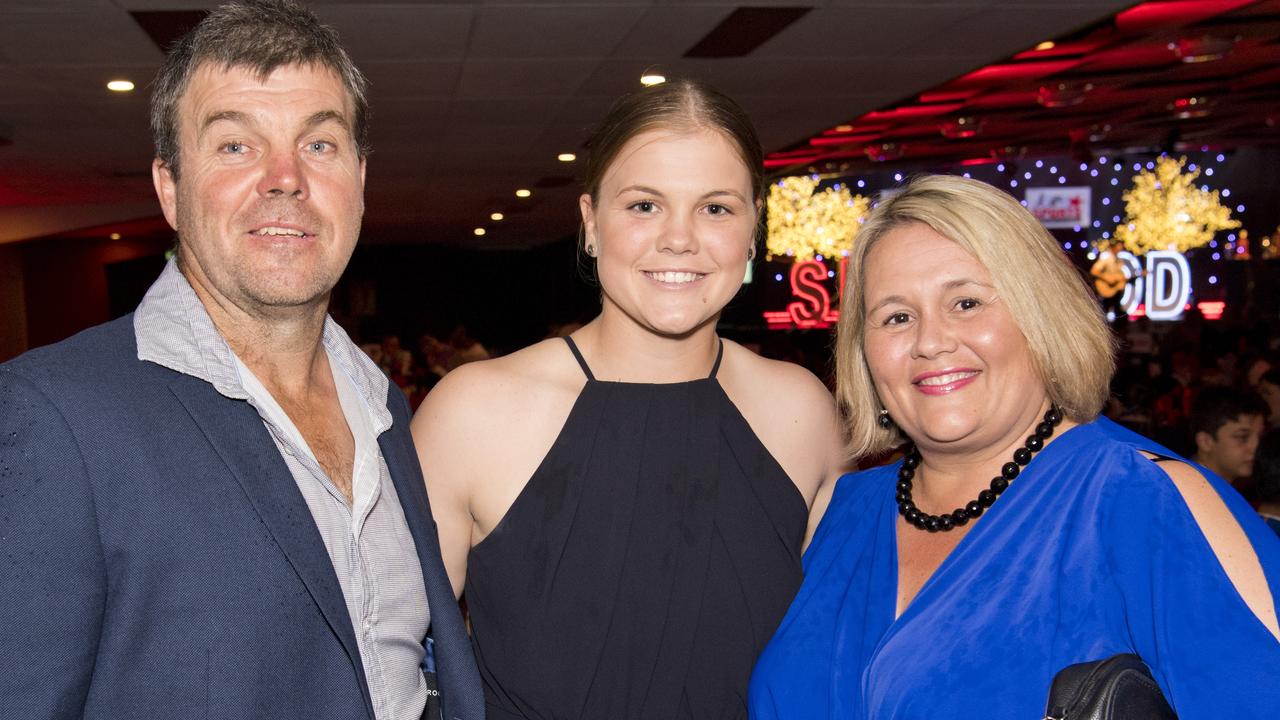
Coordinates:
643	567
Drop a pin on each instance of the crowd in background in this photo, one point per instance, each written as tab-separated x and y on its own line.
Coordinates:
1209	391
1206	390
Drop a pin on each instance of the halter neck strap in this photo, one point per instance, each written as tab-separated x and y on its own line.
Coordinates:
586	369
577	354
719	355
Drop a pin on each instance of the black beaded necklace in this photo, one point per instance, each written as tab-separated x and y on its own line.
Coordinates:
986	498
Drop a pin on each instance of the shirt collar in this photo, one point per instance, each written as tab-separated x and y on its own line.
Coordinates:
174	330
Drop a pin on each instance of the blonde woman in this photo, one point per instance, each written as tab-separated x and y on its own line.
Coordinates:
1020	533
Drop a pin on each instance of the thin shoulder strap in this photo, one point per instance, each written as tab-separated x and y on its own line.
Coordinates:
582	361
716	367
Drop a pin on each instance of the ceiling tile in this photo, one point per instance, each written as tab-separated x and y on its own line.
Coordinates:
482	78
551	31
107	37
395	32
670	30
423	78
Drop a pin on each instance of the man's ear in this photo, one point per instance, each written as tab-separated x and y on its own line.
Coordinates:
166	191
1205	442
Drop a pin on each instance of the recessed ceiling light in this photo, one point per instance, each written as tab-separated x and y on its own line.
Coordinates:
120	86
479	231
566	157
1046	45
114	236
523	193
651	78
496	217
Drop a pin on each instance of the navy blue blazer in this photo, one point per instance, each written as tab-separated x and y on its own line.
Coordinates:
158	561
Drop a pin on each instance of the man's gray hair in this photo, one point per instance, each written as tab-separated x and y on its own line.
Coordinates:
259	34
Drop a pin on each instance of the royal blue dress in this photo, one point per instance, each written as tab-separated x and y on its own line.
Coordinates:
1090	552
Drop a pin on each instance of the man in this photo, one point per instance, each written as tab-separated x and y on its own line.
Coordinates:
1227	425
1109	279
211	508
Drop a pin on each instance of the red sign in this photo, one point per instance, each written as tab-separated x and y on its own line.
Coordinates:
812	306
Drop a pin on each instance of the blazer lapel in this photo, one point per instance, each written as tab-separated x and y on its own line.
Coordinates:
460	692
236	432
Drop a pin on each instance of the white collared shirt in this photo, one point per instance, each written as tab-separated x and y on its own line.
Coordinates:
368	541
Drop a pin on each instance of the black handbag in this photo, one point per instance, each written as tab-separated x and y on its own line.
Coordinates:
1117	688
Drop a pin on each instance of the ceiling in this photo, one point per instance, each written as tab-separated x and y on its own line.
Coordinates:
1162	76
471	100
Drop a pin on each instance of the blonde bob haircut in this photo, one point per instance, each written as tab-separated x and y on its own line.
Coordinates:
1070	343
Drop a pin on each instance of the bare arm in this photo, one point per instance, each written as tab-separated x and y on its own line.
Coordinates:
444	441
1227	540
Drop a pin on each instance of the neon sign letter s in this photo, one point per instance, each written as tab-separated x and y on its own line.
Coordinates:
807	286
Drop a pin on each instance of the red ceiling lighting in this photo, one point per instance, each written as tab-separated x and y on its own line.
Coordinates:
859	129
1062	50
838	140
1092	134
1202	49
1063	94
913	111
1125	82
1155	15
1017	71
883	152
1188	108
1008	152
942	96
962	127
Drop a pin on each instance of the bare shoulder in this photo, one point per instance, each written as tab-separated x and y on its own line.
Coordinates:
790	410
778	392
478	394
1227	539
777	386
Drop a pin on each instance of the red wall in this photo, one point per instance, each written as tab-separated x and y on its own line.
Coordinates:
65	282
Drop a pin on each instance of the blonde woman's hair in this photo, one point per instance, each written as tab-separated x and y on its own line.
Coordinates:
1070	343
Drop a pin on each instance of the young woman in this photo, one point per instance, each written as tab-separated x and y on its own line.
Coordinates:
626	507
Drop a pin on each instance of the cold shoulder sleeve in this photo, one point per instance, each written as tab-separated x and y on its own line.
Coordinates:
1212	656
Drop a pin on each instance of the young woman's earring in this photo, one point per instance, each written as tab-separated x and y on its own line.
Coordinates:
885	421
591	250
751	254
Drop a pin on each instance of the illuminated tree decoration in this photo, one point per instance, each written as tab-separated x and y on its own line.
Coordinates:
804	223
1166	211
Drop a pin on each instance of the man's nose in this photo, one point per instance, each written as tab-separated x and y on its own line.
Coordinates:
283	176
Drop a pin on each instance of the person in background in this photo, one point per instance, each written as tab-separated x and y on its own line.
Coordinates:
1020	533
466	349
1266	477
1226	425
1269	390
1110	279
211	508
626	506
